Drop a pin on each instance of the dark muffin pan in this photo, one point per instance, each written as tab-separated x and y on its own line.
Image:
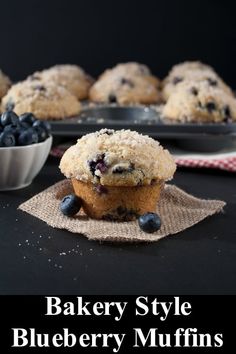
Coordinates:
196	137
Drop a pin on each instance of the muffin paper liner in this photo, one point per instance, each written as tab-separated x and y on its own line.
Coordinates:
177	209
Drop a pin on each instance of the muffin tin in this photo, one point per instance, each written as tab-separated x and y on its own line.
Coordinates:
147	120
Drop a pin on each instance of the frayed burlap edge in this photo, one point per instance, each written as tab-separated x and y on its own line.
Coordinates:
177	209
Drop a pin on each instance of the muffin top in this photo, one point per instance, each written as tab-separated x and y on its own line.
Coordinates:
126	83
200	102
171	83
44	100
117	158
71	77
186	66
5	83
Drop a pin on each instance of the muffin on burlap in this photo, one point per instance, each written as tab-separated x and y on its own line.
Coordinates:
192	71
44	100
118	175
198	102
126	83
71	77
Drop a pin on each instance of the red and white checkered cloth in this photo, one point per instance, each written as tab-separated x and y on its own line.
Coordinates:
225	161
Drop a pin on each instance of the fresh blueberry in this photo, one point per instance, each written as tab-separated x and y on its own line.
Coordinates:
13	129
9	117
70	205
28	118
42	134
43	125
149	222
28	137
7	139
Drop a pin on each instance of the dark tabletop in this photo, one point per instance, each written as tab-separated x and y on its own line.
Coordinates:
37	259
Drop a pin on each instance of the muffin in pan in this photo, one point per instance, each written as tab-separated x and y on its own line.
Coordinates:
118	175
44	100
191	71
198	102
71	77
126	83
5	84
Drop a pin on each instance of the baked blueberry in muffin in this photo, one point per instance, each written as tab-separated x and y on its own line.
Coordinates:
118	175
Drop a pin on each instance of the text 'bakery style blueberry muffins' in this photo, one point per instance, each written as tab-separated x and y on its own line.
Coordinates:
192	71
198	102
45	100
71	77
126	83
118	175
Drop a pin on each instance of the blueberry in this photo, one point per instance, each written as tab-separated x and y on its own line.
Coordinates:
13	129
7	139
194	91
212	82
70	205
28	137
28	118
127	82
112	98
43	125
97	164
9	117
42	134
149	222
177	80
227	114
210	106
100	189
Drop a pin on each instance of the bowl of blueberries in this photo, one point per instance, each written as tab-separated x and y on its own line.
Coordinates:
25	143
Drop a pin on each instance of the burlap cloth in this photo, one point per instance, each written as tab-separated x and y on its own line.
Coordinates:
177	209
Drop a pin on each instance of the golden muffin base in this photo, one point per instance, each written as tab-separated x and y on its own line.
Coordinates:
117	203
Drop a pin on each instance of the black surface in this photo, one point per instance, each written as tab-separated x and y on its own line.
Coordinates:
201	260
98	34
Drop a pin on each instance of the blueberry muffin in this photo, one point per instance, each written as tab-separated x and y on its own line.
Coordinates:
44	100
71	77
118	175
126	83
5	84
191	71
199	102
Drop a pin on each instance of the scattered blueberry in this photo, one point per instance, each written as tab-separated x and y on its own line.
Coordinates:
7	139
70	205
149	222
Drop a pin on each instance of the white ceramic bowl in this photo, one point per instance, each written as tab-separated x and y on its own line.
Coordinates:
21	164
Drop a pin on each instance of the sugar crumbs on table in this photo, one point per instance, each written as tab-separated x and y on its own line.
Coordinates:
62	254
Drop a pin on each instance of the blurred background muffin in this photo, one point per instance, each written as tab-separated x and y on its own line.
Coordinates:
71	77
126	83
45	100
197	101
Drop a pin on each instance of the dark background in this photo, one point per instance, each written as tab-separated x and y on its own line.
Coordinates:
97	34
